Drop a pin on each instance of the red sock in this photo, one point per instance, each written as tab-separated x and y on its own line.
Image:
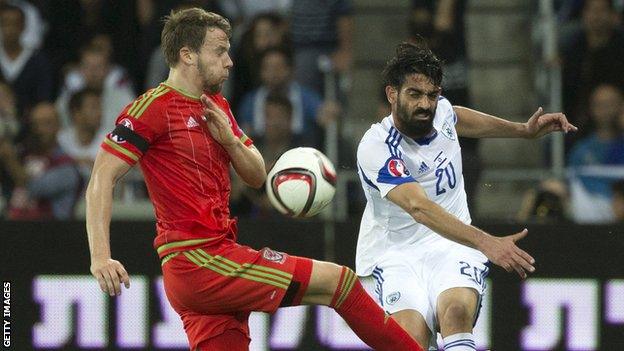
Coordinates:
367	319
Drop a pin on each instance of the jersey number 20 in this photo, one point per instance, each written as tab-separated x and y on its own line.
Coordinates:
450	176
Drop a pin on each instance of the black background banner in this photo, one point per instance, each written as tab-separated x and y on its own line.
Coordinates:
583	264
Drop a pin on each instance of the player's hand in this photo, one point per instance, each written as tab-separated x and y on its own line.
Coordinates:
541	124
110	274
503	252
218	123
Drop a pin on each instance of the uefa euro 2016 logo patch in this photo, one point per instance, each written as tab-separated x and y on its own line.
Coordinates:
393	298
397	168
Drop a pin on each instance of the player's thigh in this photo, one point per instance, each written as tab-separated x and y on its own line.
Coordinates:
457	310
457	285
228	279
230	340
414	323
397	287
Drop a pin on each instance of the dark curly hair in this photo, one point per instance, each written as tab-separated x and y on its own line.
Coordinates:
411	59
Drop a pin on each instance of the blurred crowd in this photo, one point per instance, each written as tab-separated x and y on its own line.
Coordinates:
591	59
68	67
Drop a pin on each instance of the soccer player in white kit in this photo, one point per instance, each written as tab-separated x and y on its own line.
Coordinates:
416	251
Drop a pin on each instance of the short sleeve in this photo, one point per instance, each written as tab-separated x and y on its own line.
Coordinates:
445	105
138	125
381	165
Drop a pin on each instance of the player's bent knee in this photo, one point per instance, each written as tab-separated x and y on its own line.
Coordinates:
457	315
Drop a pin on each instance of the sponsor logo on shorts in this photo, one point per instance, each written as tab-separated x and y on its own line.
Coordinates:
393	298
274	256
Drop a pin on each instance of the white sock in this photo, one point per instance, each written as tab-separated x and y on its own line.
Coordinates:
460	342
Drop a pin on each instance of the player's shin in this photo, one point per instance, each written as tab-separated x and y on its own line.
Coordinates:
366	318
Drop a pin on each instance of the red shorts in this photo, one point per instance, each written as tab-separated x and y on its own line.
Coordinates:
214	288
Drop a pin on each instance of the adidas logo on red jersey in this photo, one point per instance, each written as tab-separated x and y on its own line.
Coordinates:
192	123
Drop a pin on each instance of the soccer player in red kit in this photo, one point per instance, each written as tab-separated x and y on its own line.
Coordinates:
185	138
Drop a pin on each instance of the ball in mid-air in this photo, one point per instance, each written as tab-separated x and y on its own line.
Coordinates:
301	183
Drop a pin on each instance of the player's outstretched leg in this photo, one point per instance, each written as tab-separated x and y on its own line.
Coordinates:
339	287
456	313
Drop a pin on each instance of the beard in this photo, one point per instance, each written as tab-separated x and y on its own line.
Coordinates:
207	84
410	125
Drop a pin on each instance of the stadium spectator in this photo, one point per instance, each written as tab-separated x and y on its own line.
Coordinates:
278	136
321	31
25	69
8	130
8	113
617	203
242	12
441	25
82	139
616	154
48	182
593	55
34	25
276	75
591	194
546	204
265	31
277	139
97	72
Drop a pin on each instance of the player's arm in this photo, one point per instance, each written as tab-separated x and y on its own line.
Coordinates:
108	169
248	163
475	124
503	251
246	160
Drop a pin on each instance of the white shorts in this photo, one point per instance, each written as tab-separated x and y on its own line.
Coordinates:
415	279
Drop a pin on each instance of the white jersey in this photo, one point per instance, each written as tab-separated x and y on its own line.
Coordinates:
386	158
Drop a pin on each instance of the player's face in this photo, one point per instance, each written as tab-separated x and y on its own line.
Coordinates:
415	105
214	60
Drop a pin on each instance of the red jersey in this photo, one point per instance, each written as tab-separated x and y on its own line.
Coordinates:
186	171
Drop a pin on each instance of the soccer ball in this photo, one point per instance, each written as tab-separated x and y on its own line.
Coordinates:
301	183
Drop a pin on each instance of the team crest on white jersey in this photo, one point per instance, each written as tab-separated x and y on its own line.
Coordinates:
396	168
191	123
393	298
447	131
